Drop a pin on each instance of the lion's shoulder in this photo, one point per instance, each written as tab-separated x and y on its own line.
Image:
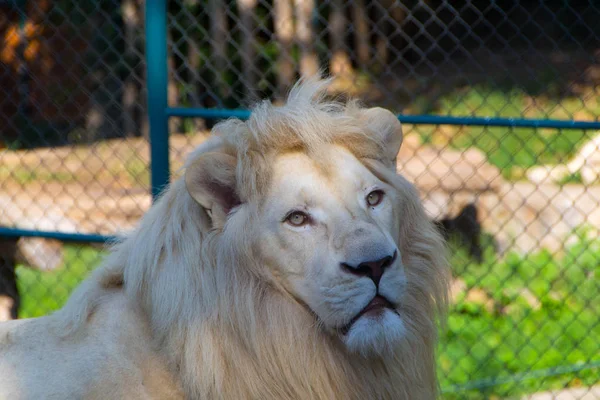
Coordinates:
113	351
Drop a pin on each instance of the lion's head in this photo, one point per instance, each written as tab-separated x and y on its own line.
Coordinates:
292	261
308	194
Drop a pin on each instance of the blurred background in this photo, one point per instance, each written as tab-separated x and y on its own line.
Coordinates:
517	194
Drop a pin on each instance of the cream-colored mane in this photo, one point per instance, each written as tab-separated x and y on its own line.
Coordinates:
226	331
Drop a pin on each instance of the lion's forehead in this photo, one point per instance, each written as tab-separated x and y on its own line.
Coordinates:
333	171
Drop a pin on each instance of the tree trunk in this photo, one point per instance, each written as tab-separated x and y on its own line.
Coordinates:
361	33
283	18
246	10
194	81
104	117
340	63
172	89
131	93
309	63
385	27
141	72
382	32
219	30
95	117
193	72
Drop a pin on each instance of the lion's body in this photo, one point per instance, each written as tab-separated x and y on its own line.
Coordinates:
111	358
185	304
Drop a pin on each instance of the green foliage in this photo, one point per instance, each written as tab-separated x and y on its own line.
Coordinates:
571	178
510	149
44	292
541	312
24	175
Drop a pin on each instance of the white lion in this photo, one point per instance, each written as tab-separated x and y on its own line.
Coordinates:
291	262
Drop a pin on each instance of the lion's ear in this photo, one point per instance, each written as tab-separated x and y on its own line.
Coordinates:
385	124
211	181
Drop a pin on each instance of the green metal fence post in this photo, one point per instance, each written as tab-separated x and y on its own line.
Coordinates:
157	70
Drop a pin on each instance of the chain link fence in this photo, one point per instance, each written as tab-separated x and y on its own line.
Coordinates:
500	107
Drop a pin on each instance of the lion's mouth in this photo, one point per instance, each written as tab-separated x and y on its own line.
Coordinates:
375	308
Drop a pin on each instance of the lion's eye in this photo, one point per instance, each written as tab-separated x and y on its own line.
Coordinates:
297	218
374	198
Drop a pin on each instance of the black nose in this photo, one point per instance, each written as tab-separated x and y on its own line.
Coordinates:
372	269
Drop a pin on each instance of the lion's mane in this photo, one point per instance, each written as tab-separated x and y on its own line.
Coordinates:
229	334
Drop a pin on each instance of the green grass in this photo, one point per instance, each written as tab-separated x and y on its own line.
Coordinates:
24	175
571	178
43	292
505	338
510	336
510	149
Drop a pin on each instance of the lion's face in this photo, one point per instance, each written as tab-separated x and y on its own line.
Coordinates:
325	225
328	231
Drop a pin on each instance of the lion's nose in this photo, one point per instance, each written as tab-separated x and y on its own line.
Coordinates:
372	269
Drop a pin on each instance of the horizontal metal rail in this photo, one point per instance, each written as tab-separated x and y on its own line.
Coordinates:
222	113
218	113
520	377
67	237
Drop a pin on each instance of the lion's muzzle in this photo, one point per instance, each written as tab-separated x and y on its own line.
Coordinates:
372	269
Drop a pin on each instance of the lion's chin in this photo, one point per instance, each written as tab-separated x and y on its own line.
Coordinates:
375	335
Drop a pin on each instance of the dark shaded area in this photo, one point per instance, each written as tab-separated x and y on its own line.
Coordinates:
8	279
62	71
67	86
545	48
466	227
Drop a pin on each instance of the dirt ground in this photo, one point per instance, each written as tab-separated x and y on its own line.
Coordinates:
592	393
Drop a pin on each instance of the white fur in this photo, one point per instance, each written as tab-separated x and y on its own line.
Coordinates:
243	306
376	335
